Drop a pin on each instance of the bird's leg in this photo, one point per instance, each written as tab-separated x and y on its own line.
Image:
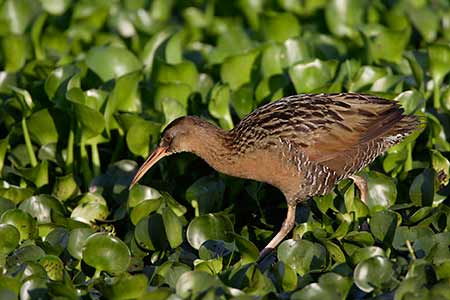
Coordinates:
361	183
287	226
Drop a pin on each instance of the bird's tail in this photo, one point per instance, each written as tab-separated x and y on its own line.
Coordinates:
404	127
392	123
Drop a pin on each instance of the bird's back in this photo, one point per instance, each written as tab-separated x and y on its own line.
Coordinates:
342	132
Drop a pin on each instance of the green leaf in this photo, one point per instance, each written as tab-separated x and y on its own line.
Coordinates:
90	121
366	76
272	60
144	208
249	252
106	253
10	238
209	227
411	234
242	101
279	26
353	204
25	100
302	256
388	45
13	193
206	195
171	272
140	193
15	52
39	285
42	127
335	252
181	73
40	207
141	135
343	17
125	286
285	276
91	207
230	42
383	225
422	188
252	9
439	55
412	101
237	70
441	166
337	284
23	222
77	239
124	97
4	145
16	15
219	106
5	204
382	191
212	266
374	273
65	187
175	91
312	75
314	291
150	233
147	55
425	20
259	284
270	88
295	50
174	48
213	251
38	174
194	282
406	286
172	110
53	265
173	227
362	238
112	62
55	7
27	253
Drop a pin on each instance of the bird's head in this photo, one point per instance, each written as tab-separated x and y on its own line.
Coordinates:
178	136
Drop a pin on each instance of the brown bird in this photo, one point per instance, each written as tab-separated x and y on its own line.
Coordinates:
301	144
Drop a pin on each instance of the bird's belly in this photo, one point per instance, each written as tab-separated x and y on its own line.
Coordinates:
292	173
273	169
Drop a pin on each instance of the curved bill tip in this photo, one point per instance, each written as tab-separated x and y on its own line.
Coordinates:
156	155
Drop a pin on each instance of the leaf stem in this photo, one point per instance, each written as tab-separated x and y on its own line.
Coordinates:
410	249
28	144
96	166
436	98
70	143
85	170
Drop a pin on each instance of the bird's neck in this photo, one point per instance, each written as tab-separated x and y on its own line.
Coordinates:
213	144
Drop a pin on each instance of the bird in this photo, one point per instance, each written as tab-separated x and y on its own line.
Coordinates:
301	144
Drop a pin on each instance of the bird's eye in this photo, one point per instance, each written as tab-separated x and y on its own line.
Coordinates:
167	140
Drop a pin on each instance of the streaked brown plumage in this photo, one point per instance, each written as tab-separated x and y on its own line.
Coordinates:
301	144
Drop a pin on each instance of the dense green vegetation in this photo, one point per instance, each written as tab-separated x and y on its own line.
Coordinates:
87	86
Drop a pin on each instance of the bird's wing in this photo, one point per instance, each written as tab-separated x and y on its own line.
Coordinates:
328	128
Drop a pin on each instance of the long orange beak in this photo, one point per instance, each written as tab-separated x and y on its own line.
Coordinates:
156	155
